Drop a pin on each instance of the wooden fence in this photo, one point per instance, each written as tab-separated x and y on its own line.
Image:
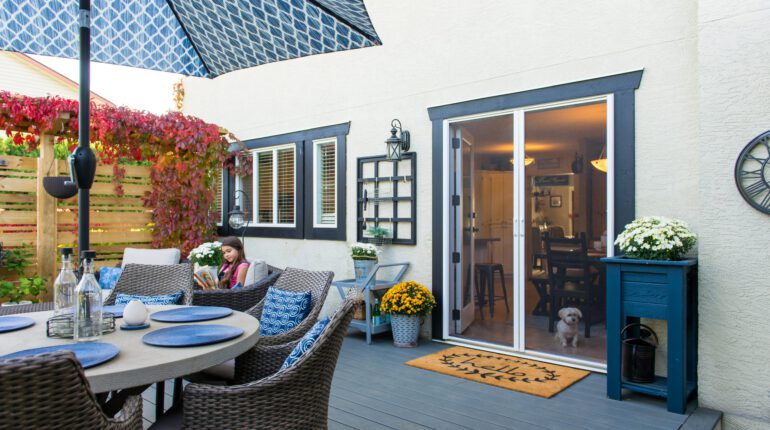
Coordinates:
30	217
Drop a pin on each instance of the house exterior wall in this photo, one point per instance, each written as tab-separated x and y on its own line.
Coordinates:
437	52
733	89
22	78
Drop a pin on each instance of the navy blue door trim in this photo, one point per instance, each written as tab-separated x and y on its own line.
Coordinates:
621	85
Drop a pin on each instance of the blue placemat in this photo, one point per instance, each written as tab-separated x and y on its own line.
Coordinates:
116	310
89	354
14	323
191	313
192	335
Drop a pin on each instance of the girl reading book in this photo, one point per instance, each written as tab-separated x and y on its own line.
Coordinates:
234	269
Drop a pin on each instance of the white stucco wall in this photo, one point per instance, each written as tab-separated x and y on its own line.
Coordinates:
436	53
702	97
734	89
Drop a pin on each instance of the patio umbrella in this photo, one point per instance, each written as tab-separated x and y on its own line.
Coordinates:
204	38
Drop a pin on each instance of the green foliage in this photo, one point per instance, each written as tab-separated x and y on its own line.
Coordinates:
25	288
15	261
378	231
7	147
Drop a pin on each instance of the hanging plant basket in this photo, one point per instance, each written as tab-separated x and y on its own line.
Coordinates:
60	186
379	240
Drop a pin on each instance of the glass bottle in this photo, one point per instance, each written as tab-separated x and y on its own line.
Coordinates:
64	286
88	302
376	312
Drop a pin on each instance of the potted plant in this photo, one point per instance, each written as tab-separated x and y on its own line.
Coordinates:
23	290
364	258
207	258
379	235
407	303
656	238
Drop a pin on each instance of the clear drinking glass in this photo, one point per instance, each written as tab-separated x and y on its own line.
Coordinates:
64	286
88	303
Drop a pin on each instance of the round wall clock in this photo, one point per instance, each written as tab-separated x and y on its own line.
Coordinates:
752	172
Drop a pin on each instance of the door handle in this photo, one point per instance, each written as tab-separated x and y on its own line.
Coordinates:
475	229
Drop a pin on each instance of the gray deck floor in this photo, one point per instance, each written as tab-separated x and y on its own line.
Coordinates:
373	389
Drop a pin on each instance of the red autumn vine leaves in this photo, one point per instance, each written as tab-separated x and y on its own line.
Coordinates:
186	154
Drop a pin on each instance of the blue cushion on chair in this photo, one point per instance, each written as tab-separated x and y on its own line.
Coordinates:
108	276
166	299
305	343
283	310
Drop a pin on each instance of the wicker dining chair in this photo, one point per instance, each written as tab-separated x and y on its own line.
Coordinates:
292	279
23	309
153	280
50	391
293	398
240	299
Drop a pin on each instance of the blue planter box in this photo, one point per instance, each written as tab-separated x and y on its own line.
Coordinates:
664	290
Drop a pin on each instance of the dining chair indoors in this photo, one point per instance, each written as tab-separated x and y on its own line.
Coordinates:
50	391
573	280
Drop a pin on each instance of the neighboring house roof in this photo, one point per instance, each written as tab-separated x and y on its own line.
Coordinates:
52	82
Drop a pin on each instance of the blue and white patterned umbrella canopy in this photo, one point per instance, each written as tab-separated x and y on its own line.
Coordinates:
192	37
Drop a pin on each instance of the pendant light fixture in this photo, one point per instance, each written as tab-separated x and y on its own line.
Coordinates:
527	160
601	163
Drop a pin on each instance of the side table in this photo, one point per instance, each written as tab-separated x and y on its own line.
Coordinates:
371	285
662	290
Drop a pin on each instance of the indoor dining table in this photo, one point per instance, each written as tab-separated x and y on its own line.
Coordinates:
138	364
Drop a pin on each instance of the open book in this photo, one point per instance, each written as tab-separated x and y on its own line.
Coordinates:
206	278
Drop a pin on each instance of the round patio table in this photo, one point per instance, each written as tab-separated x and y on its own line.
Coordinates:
137	363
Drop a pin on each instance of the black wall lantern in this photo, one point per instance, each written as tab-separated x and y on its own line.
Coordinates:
236	218
397	145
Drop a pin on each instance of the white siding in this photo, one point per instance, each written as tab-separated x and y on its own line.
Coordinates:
21	78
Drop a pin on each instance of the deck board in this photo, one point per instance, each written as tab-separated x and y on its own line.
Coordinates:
374	389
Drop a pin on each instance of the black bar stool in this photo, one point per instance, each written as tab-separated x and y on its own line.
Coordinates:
486	276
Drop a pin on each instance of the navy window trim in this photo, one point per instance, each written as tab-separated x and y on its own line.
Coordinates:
621	85
303	197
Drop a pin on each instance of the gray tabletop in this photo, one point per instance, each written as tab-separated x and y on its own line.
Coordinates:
137	363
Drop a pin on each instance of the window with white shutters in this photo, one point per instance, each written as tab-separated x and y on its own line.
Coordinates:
297	186
275	185
325	183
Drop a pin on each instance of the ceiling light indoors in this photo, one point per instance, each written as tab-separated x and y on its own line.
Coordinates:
601	162
527	160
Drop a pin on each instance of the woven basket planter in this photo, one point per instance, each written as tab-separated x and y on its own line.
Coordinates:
406	330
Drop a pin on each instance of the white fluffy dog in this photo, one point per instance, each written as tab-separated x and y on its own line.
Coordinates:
567	328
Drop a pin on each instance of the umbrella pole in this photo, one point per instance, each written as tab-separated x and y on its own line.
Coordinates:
83	162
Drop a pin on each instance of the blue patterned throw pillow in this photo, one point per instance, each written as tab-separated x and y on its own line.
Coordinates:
108	276
166	299
305	343
283	310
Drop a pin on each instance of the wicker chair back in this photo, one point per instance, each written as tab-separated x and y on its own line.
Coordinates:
51	391
154	280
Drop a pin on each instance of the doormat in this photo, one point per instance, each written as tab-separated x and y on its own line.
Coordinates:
514	373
